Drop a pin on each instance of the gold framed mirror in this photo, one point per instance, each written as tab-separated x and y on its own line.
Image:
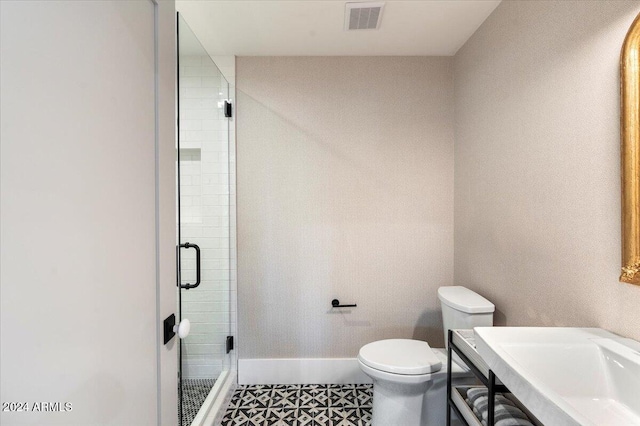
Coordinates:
630	153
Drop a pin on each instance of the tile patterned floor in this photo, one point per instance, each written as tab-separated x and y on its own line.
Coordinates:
300	405
194	392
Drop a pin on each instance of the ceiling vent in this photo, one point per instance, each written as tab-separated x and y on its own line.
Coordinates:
363	16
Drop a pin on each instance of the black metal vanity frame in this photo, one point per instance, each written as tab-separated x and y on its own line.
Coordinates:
489	382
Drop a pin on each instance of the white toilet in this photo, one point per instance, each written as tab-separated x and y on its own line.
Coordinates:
409	377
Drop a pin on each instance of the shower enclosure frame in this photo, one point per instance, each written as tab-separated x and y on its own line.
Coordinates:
213	404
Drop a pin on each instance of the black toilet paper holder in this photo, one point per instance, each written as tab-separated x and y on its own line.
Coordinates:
335	303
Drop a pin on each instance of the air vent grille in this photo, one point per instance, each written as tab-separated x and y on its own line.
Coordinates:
363	16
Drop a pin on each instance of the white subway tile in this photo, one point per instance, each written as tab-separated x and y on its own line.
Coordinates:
192	72
189	82
191	61
190	124
211	82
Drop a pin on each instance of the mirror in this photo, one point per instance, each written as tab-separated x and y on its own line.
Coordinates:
630	153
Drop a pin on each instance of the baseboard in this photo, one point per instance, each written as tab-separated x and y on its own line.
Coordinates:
289	371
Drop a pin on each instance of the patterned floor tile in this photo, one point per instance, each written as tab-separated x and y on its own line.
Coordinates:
245	417
229	416
313	397
343	397
285	397
300	405
364	398
282	416
344	414
313	417
365	417
236	399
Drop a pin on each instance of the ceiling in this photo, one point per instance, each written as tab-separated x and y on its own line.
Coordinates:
316	27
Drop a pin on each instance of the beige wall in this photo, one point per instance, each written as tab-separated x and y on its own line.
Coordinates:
345	190
537	191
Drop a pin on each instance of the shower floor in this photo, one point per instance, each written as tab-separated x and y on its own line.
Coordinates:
194	392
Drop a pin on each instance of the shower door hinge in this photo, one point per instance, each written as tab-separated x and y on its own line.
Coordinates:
229	343
228	109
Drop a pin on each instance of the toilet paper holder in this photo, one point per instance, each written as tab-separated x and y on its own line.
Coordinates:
335	303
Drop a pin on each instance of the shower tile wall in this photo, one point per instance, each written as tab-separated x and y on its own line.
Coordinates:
205	215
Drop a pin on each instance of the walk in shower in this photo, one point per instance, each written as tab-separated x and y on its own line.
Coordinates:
204	227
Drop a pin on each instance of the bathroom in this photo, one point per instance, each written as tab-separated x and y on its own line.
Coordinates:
460	143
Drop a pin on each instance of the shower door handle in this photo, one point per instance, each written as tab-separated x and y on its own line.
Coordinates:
187	286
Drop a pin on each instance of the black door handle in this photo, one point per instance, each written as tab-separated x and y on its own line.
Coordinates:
187	286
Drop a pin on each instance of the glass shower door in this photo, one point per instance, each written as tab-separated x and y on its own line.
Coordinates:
203	223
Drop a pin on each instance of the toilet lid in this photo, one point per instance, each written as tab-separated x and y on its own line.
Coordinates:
400	356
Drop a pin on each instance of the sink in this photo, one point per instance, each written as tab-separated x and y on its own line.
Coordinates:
567	376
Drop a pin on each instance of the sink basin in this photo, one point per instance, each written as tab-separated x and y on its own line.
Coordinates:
567	376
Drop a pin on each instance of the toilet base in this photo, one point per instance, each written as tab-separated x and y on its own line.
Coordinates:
395	405
400	400
398	404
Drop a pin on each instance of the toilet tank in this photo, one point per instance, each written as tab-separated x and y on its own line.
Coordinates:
463	308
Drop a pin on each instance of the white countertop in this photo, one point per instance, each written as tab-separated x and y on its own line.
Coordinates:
567	376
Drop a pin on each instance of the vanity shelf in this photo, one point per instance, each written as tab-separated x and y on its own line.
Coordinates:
462	347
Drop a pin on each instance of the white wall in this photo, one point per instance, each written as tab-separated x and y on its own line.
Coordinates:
87	220
345	190
537	173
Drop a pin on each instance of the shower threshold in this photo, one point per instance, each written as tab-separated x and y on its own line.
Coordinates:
211	396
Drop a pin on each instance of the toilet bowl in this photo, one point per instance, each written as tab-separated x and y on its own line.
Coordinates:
409	377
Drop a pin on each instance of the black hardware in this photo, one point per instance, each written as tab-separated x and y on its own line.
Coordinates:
449	405
177	122
169	323
489	382
336	304
197	283
475	370
492	401
229	343
228	109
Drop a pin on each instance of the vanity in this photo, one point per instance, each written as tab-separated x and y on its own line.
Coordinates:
486	403
564	376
